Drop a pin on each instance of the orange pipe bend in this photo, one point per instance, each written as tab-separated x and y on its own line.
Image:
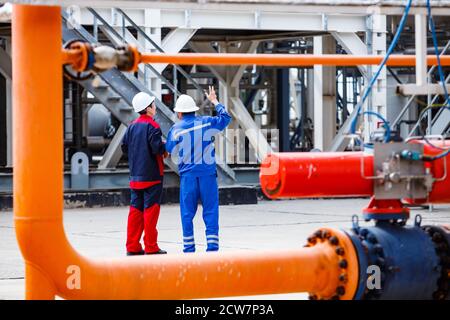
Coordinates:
53	267
284	60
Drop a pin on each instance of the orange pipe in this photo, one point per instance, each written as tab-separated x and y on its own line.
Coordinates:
283	60
71	56
53	267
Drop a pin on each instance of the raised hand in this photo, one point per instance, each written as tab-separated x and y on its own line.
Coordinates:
211	96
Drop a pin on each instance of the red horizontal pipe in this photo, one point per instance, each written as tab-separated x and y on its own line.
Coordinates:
316	174
285	59
339	174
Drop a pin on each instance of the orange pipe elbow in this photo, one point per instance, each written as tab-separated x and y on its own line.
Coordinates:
53	267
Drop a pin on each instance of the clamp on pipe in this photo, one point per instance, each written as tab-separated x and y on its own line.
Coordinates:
83	60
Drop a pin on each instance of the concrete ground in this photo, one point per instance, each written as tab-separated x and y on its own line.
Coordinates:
269	225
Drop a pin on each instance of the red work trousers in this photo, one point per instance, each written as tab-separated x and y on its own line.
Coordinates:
143	218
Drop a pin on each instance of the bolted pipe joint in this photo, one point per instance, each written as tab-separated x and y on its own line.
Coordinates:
105	58
400	262
340	260
90	59
440	235
124	58
386	261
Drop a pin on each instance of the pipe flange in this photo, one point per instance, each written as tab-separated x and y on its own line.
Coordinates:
375	254
129	58
440	235
81	69
346	260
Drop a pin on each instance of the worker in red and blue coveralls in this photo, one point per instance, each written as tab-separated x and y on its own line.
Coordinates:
145	148
191	140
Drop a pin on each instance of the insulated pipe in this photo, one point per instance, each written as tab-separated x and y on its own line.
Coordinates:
283	60
53	267
339	174
316	174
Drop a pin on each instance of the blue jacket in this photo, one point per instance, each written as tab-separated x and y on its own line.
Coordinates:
145	148
191	140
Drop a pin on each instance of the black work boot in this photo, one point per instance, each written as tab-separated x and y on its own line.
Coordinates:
160	251
140	253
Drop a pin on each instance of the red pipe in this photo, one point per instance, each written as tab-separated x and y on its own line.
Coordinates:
337	174
316	174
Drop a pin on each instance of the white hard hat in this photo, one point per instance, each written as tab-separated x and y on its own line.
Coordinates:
185	104
141	101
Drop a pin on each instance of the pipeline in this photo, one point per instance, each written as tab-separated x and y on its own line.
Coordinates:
338	174
53	267
413	260
84	57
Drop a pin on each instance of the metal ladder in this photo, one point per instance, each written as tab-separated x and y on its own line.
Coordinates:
115	90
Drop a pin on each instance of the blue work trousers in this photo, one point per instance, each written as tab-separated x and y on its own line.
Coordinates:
205	189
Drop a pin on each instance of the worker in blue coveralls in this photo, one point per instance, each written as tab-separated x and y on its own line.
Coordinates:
192	140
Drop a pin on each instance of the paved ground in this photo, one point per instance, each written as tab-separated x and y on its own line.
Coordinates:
268	225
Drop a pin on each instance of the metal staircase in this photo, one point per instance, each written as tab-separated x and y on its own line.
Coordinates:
115	90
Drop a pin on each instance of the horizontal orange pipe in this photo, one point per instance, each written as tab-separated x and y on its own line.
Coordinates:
202	275
284	60
53	267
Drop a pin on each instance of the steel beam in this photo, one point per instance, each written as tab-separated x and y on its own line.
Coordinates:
252	131
353	45
324	96
411	89
174	42
421	49
242	18
283	109
5	64
113	153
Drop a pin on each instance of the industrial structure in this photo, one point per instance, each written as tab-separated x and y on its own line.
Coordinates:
328	100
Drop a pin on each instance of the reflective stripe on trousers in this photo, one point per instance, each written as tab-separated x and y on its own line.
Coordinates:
205	189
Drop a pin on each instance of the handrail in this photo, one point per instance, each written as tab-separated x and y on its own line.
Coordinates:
411	99
157	47
426	114
116	34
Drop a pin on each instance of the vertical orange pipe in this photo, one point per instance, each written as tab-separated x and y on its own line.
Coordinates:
38	131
